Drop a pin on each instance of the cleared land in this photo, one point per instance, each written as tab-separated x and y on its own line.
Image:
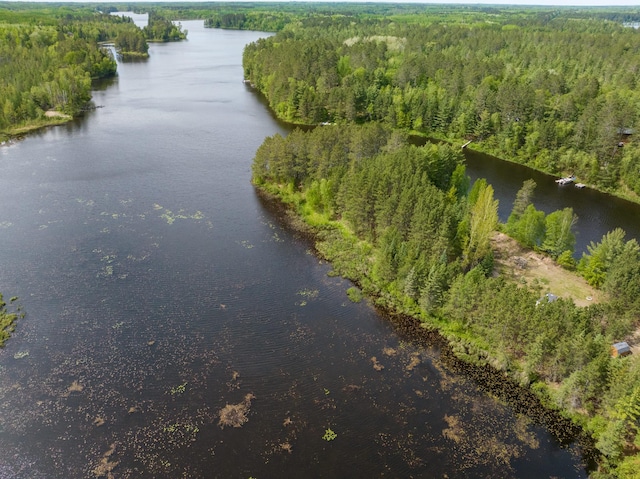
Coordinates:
540	271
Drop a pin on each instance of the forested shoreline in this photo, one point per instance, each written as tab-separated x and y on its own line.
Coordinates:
50	56
403	223
553	90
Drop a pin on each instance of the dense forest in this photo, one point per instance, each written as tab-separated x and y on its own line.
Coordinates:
402	222
554	90
49	57
160	29
48	66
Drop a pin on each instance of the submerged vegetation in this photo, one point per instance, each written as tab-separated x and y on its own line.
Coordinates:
402	222
235	415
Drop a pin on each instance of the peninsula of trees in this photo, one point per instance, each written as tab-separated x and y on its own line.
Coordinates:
556	90
49	57
401	221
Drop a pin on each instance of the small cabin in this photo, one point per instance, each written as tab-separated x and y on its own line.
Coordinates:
621	349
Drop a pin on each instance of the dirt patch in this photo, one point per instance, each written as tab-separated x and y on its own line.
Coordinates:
541	272
55	114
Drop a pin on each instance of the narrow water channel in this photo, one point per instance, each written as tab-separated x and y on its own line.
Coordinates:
598	213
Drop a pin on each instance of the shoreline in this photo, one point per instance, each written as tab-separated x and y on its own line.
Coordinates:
52	118
522	399
622	194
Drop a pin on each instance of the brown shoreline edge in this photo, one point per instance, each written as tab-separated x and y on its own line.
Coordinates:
489	379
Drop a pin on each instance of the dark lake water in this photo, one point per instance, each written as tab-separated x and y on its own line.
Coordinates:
598	213
159	289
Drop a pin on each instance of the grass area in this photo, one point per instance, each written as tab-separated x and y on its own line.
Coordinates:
541	272
48	120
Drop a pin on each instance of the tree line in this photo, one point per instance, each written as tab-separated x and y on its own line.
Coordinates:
49	58
160	29
50	65
554	92
404	223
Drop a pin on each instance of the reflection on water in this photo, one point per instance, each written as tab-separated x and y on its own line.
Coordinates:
598	213
176	328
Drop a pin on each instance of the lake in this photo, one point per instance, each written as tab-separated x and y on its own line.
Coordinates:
167	304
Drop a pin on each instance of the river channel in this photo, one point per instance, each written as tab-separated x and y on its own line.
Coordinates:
160	291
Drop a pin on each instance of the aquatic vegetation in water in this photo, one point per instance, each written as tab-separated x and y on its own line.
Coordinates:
75	387
8	320
354	294
414	361
454	432
106	465
308	293
329	435
285	446
21	354
376	365
235	414
190	428
235	381
181	389
85	202
170	217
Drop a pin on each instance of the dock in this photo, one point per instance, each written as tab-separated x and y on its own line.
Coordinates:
566	180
